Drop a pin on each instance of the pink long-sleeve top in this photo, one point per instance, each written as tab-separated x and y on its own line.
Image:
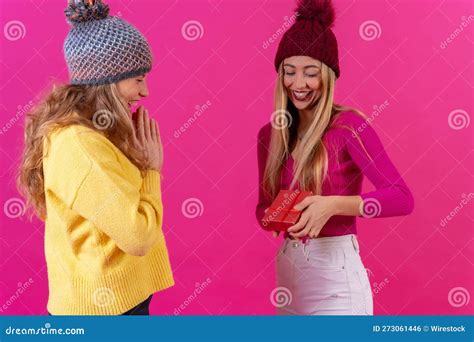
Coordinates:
347	165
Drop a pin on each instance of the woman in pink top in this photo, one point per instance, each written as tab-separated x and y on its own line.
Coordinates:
316	145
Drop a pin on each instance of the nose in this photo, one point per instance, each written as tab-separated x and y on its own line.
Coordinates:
144	89
300	82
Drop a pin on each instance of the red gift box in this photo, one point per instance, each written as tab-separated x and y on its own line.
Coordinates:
281	215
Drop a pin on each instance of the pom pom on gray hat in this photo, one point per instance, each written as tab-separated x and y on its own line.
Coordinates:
101	49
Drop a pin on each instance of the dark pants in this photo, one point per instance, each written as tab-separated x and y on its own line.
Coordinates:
141	309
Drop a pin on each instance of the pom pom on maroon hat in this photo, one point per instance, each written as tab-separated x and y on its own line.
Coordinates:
322	11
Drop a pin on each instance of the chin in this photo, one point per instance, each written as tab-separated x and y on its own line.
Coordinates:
301	106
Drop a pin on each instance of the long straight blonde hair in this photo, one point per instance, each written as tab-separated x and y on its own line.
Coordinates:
312	161
98	107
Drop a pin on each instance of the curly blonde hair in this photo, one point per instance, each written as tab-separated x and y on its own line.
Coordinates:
99	108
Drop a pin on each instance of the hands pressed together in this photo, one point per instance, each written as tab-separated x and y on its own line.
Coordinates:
147	138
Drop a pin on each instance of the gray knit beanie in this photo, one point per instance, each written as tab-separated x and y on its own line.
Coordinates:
102	49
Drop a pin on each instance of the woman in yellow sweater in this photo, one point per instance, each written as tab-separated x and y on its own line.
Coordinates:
92	171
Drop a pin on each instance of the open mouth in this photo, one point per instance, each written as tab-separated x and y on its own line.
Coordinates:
302	96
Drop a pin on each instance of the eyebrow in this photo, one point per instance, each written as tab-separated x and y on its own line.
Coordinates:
306	67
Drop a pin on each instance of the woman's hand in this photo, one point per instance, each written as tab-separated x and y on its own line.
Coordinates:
147	138
317	210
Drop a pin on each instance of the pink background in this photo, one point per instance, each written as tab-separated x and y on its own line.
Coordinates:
416	265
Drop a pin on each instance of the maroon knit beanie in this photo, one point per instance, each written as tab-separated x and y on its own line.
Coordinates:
311	35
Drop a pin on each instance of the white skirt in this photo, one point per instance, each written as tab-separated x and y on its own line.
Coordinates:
324	276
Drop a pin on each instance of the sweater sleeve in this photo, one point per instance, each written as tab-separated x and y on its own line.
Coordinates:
263	143
130	212
391	196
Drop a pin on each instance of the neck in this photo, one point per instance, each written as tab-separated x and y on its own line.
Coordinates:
306	117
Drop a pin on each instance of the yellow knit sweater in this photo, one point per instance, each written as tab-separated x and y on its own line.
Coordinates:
104	244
